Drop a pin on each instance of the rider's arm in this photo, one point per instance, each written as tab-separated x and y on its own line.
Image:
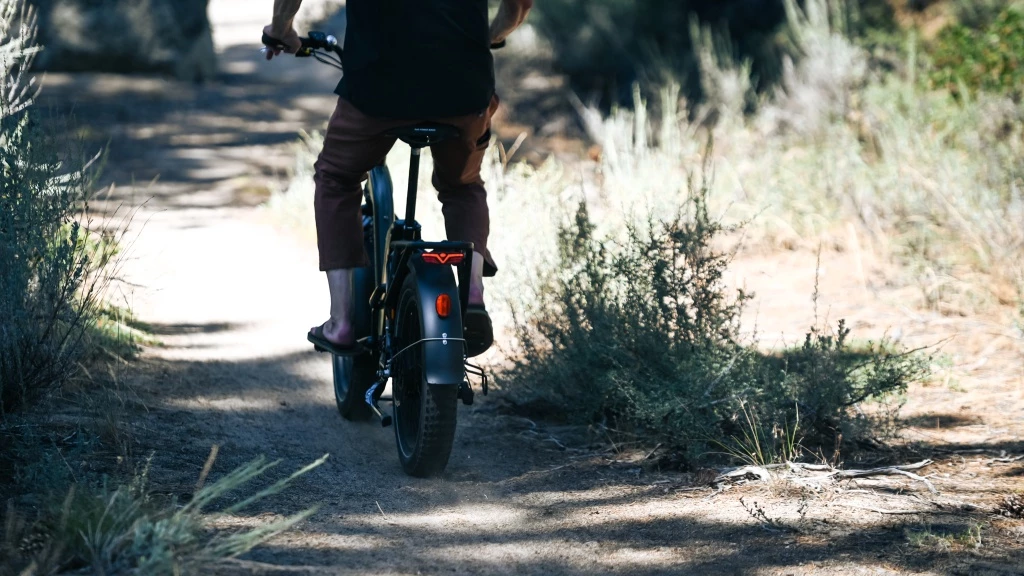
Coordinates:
282	26
511	14
284	15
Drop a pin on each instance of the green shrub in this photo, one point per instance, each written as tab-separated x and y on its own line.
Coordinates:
980	13
50	265
642	333
989	58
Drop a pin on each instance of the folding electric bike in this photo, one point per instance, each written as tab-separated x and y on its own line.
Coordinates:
408	312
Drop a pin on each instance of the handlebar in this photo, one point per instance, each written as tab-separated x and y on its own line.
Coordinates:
324	41
315	41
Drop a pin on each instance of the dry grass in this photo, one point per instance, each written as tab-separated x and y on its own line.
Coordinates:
932	183
126	530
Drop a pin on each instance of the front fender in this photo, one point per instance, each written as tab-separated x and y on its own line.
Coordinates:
443	358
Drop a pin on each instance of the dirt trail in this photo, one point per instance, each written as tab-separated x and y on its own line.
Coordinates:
230	298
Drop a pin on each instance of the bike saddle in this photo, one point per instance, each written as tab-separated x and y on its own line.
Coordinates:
424	134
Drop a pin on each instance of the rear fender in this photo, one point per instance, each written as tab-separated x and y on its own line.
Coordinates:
444	353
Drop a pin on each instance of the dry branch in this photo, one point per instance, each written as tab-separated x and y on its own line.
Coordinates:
884	511
744	473
883	471
1005	460
762	473
891	470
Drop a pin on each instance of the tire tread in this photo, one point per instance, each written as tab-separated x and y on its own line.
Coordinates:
439	412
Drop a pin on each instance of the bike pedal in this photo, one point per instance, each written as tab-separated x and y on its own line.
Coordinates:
466	393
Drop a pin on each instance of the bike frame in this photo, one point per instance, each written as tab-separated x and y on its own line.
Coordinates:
397	252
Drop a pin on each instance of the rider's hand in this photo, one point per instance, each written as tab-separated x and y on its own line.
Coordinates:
290	38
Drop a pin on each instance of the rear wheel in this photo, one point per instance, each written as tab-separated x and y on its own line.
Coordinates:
425	414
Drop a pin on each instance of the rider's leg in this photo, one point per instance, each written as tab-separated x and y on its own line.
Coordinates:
339	328
461	191
476	279
353	144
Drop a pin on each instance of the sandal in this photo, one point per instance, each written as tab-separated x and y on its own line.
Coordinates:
322	344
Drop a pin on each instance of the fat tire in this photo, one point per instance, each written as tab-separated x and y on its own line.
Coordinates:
353	376
427	452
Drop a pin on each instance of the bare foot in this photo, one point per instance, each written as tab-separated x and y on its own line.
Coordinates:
339	328
338	333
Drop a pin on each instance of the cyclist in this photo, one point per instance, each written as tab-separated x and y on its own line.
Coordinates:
406	61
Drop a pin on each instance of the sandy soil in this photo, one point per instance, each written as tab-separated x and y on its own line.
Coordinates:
230	297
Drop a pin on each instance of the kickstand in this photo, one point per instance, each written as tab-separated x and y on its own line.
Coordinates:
479	372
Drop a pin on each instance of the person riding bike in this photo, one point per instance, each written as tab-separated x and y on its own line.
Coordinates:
405	61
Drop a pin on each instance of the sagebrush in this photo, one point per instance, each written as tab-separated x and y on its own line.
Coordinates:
53	268
641	334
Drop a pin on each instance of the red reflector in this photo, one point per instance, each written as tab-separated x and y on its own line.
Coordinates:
443	305
450	258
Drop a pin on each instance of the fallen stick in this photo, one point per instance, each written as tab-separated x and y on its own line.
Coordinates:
764	475
743	472
795	466
1007	460
889	470
652	451
884	511
885	469
912	476
904	470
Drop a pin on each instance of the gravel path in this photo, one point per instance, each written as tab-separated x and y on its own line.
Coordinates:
230	298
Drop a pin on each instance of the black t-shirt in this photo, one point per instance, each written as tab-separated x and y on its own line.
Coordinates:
416	59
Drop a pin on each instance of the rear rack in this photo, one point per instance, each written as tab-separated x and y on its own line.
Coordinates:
389	295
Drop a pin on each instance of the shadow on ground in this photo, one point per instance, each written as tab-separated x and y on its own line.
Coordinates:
164	138
510	502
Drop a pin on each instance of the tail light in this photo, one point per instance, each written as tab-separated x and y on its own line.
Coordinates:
449	258
443	304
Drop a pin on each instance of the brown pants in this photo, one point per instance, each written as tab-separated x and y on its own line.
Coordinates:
355	143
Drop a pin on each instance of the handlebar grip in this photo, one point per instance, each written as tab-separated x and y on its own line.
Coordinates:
308	45
315	41
270	42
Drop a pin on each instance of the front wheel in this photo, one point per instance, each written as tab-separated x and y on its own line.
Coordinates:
353	376
425	414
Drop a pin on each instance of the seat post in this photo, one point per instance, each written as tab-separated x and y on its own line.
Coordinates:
414	173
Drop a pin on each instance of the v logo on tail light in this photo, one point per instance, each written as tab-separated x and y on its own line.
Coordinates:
450	258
